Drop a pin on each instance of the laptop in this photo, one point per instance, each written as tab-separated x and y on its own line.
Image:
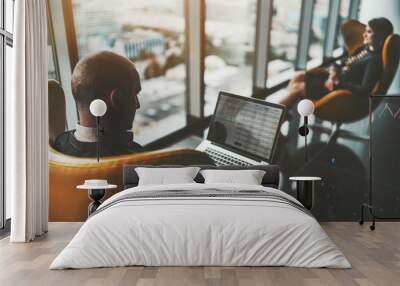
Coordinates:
243	131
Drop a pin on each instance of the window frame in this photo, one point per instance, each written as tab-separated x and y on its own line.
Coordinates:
195	46
354	10
261	87
262	44
331	27
260	72
262	91
352	13
52	42
303	44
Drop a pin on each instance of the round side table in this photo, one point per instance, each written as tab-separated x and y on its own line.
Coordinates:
96	194
305	189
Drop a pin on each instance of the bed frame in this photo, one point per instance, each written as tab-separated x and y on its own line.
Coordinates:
270	179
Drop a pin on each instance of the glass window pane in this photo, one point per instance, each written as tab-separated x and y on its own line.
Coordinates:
2	189
150	34
343	16
284	37
319	23
230	33
52	74
1	16
9	15
51	68
8	70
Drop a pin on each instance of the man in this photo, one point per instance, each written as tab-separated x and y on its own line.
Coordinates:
115	80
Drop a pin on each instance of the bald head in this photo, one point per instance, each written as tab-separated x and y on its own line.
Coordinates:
108	76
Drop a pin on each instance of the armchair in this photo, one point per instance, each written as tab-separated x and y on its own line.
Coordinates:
66	172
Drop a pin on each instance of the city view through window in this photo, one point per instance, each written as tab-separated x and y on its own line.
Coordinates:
152	35
229	48
283	38
318	30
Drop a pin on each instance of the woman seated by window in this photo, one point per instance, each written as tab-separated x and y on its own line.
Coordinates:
358	72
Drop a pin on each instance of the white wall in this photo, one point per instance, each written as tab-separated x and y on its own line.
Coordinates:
391	10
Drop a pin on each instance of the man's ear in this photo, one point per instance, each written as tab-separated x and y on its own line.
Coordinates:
114	99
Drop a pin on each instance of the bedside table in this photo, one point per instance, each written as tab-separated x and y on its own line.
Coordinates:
305	189
96	194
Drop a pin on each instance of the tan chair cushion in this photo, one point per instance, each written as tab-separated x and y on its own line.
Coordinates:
66	203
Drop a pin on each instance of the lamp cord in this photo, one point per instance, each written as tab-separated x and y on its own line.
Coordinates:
305	138
98	138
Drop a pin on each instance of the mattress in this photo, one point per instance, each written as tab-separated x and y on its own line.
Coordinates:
201	225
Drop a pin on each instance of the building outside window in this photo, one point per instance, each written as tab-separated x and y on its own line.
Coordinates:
318	31
283	40
230	36
343	16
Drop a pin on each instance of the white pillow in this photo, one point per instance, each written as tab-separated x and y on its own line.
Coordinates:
163	176
248	177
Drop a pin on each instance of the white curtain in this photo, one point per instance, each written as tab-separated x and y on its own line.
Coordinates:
26	123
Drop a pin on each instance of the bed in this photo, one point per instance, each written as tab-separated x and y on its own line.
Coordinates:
199	224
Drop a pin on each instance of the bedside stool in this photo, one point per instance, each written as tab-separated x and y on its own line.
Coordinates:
305	190
96	194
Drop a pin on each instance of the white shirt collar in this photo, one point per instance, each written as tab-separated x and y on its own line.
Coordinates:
85	134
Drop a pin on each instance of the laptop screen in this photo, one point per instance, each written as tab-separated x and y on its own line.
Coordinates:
246	126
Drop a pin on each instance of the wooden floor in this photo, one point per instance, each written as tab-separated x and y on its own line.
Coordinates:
375	257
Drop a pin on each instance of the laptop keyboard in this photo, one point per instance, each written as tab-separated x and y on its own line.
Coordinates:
221	158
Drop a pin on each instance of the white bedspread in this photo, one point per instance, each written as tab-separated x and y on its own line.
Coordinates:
200	231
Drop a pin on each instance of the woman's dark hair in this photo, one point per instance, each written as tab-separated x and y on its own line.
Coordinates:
382	28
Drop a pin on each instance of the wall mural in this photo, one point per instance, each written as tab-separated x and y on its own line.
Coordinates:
132	56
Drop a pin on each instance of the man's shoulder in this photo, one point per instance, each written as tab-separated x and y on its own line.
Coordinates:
63	142
67	144
63	139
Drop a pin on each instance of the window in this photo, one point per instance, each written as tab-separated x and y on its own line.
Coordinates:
230	35
343	16
6	43
152	35
52	72
51	53
9	12
283	40
8	70
318	31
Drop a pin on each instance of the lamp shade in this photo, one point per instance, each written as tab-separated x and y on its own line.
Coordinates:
305	107
98	107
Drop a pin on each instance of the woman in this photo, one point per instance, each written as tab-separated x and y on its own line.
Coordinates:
358	72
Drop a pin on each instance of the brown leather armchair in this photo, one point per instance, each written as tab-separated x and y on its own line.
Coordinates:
66	203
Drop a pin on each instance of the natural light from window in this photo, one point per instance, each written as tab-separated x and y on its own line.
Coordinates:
150	34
